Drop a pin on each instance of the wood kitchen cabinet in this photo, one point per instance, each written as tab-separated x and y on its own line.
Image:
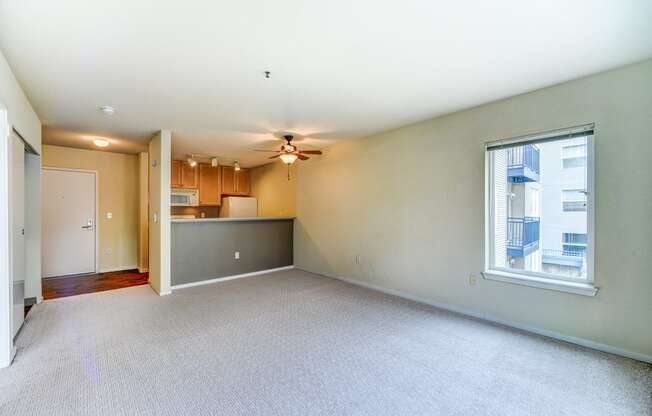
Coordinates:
183	175
175	180
235	182
209	185
189	176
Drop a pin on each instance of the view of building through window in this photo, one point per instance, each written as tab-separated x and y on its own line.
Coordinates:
539	210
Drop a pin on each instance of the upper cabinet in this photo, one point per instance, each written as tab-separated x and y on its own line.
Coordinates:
189	176
235	182
176	174
209	184
183	175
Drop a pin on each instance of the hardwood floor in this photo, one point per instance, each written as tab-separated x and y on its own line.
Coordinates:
60	287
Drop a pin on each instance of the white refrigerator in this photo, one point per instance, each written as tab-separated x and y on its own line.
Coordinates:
238	207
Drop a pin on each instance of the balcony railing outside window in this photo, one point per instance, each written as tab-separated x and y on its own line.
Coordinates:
522	236
523	163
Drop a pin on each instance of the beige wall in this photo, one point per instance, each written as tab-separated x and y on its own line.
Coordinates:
118	194
276	195
410	202
160	157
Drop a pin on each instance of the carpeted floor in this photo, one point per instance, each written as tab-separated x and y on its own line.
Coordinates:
293	343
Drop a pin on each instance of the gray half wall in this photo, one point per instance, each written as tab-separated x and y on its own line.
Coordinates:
203	251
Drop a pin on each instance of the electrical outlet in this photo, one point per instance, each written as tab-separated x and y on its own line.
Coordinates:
236	255
108	251
473	279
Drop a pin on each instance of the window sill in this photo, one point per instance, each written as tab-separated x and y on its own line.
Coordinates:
586	289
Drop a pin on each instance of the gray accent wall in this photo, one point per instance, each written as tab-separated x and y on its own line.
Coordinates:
205	250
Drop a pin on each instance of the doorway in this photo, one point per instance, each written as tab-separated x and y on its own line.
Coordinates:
17	230
69	229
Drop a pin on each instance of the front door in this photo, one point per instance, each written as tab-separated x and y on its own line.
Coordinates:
69	223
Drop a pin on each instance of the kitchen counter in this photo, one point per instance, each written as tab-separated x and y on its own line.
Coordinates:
214	248
247	219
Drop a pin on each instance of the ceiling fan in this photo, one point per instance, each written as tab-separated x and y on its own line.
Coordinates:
289	153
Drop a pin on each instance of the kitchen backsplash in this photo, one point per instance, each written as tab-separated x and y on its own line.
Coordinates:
209	212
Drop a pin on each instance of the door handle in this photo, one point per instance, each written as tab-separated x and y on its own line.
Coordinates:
87	226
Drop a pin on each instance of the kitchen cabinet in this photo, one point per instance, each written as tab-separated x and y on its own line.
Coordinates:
176	174
209	184
189	177
235	182
183	175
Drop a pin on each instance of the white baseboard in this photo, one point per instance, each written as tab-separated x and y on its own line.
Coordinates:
118	269
524	327
236	276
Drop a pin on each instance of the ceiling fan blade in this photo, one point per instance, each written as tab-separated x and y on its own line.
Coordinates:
269	151
274	157
302	157
310	152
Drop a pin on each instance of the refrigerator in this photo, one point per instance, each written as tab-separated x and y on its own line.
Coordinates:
238	207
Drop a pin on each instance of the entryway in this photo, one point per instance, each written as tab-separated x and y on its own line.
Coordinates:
69	206
61	287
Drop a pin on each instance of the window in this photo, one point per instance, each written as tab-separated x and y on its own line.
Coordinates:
574	244
573	156
525	177
573	200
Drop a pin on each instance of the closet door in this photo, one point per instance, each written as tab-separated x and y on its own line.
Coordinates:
17	195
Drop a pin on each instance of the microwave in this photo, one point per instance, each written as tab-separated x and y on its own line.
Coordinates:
184	197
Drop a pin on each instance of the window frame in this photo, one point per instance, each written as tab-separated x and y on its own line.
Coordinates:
582	286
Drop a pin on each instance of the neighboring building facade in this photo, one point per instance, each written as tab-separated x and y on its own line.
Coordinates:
540	207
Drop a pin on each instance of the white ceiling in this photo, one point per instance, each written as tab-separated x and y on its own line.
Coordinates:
341	69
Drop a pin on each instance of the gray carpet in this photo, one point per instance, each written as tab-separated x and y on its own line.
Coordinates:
293	343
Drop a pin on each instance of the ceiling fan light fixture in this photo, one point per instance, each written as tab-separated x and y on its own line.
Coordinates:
288	158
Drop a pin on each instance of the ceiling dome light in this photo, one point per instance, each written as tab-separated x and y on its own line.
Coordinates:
288	158
107	110
101	142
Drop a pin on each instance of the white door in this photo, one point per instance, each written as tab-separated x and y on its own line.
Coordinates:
17	192
69	223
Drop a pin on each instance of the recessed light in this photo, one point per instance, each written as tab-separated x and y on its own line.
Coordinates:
101	142
107	110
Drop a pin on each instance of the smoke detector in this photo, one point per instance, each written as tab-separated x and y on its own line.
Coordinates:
107	110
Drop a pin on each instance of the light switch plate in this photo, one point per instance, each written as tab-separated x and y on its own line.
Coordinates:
237	255
109	215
